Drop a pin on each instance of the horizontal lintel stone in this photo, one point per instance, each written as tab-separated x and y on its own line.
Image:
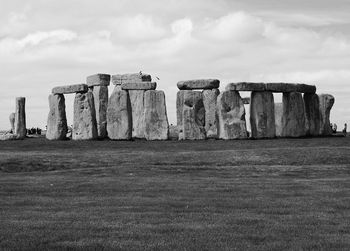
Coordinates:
98	80
198	84
245	86
119	79
79	88
271	87
139	86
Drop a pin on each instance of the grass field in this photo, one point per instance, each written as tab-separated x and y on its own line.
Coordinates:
285	194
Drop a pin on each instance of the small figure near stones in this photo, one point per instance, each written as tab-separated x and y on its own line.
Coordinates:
334	128
345	129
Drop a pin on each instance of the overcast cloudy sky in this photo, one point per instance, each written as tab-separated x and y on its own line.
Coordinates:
44	43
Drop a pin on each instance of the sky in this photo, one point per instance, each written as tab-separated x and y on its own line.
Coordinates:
46	43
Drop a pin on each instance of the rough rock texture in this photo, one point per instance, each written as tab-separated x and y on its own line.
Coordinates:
280	87
101	102
326	104
198	84
119	79
139	86
262	115
193	117
20	118
138	113
119	122
312	114
245	86
12	119
84	121
278	118
80	88
231	116
179	108
293	119
98	80
211	120
173	132
57	121
305	88
156	119
8	136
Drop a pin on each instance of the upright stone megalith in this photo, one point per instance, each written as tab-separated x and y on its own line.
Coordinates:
84	124
231	116
138	115
312	114
156	119
262	115
57	121
326	104
20	118
179	107
119	121
293	119
211	118
12	119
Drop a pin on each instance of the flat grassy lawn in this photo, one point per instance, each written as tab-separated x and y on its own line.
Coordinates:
285	194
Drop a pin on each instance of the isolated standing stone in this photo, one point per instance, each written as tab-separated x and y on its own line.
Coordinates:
119	121
57	121
20	118
293	119
312	114
156	119
12	118
211	120
101	102
262	115
278	118
84	121
326	104
138	114
231	116
193	117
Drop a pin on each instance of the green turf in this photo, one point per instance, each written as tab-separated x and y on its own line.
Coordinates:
286	194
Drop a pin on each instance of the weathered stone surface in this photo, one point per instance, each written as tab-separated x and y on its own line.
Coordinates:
326	104
305	88
12	118
101	102
8	136
80	88
278	118
262	115
20	118
280	87
193	117
139	86
119	121
119	79
245	86
179	108
84	121
293	119
211	120
156	119
198	84
138	113
173	132
312	114
57	121
231	116
98	80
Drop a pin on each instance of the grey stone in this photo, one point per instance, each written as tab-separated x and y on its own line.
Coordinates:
231	116
80	88
211	120
57	121
293	119
326	104
12	118
312	114
198	84
280	87
262	115
156	119
138	114
179	108
119	79
245	86
20	118
139	86
101	102
173	132
84	121
7	137
119	121
305	88
278	119
98	80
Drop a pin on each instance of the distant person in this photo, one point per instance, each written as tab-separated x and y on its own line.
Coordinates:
335	127
345	129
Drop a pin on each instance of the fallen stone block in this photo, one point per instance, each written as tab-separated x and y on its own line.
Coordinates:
7	137
312	114
57	121
326	104
80	88
198	84
119	79
98	80
293	119
245	86
211	120
139	86
20	118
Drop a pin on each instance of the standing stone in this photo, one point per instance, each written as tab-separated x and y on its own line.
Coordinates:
211	123
231	116
326	104
101	102
156	119
84	122
193	117
262	115
20	118
57	121
12	121
138	114
119	121
293	119
179	107
278	118
312	114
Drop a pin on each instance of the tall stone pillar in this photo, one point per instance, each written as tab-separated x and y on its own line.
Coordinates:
293	119
57	121
278	119
312	114
20	118
138	115
326	104
211	118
